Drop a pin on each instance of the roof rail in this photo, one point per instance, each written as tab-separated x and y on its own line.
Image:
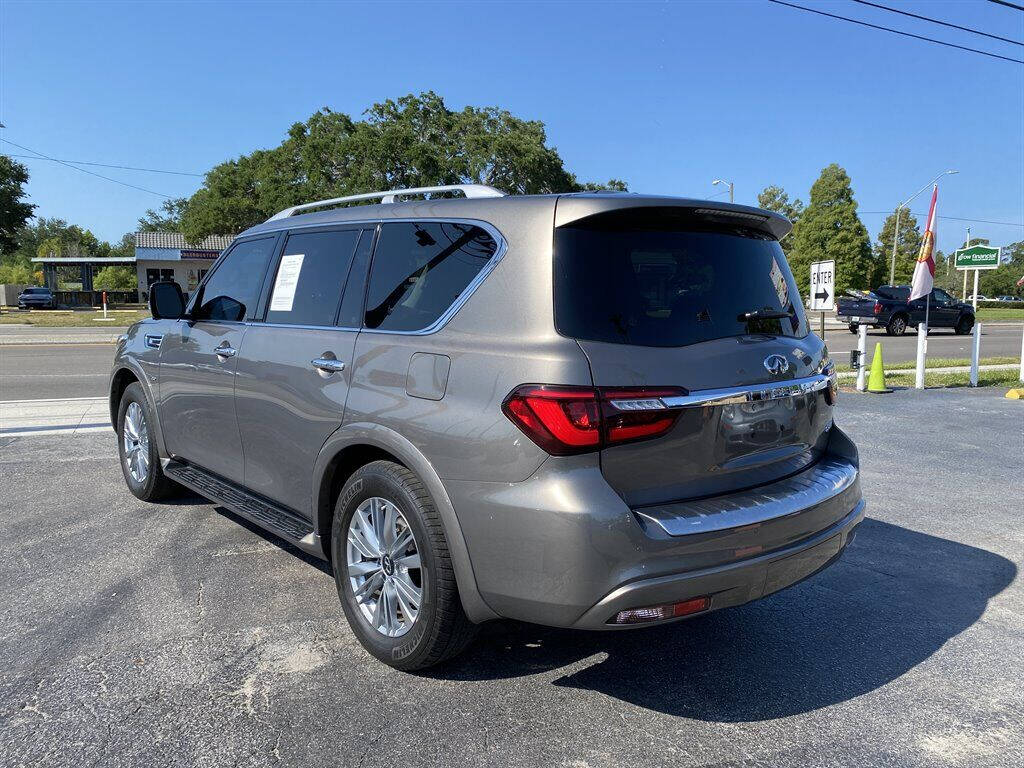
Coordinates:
469	190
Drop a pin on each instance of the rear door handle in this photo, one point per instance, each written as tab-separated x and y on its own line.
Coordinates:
226	351
327	364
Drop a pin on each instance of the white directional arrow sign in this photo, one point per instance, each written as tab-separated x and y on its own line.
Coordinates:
823	281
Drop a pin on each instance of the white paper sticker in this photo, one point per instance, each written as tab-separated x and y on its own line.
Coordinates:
779	281
284	285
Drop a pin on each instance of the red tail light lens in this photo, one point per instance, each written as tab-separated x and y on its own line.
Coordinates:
878	308
568	420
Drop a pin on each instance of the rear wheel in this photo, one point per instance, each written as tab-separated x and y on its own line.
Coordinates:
964	325
393	569
140	460
897	325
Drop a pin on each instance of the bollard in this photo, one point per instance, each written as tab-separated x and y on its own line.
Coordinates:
862	348
922	353
975	354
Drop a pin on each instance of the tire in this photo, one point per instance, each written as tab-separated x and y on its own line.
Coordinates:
853	328
150	484
897	325
964	325
439	629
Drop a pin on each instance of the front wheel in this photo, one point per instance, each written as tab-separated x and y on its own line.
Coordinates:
140	460
897	325
393	570
964	326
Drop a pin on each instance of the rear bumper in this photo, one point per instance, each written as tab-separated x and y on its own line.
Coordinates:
563	549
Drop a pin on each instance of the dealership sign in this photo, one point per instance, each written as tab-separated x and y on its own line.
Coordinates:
977	257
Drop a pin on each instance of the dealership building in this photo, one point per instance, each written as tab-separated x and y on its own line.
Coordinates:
166	256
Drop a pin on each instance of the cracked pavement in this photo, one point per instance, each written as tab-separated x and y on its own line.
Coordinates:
178	635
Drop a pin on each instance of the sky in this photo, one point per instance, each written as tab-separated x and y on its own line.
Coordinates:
665	95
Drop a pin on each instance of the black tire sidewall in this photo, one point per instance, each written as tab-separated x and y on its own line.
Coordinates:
893	327
964	326
404	651
147	488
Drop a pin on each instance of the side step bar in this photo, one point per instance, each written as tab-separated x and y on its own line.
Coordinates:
279	520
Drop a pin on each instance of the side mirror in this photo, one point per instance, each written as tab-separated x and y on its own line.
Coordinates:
166	300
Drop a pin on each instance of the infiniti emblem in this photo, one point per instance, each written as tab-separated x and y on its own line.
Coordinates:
776	364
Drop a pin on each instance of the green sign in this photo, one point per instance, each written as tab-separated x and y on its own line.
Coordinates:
977	257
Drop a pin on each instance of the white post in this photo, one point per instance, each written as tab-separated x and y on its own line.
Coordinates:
1022	357
862	348
975	354
922	352
975	299
965	286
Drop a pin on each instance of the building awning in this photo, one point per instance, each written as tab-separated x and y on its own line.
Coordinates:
76	260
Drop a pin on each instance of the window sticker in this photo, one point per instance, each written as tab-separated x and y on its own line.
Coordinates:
284	286
779	281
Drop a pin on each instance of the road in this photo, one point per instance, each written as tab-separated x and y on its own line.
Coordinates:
31	371
145	635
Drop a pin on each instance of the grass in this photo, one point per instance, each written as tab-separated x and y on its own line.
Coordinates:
993	314
58	318
937	362
1008	378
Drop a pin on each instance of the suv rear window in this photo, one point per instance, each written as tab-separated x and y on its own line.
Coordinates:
663	279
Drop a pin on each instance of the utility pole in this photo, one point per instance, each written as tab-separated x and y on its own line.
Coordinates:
723	181
968	245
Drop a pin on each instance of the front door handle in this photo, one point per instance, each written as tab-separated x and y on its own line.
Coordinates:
327	365
225	351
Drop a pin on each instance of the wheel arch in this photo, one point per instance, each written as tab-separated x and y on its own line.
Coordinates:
354	445
122	377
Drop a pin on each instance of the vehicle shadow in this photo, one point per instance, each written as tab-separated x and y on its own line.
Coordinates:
893	599
287	546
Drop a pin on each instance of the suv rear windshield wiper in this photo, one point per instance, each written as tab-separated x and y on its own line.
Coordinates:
764	314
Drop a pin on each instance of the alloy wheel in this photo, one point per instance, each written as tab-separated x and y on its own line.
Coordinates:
384	566
135	436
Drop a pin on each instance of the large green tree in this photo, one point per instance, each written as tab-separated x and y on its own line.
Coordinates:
115	278
14	211
908	245
413	141
830	229
167	218
773	198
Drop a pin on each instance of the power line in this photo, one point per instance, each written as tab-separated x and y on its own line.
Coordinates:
1008	5
936	21
105	165
897	32
83	170
952	218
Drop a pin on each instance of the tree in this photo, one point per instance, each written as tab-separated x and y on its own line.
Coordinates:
14	211
1003	281
829	228
414	141
908	245
166	219
775	199
16	274
115	279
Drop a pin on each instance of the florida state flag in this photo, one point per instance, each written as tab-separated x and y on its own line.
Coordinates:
924	270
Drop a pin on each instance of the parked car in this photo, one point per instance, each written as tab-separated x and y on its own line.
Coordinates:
36	298
888	307
594	411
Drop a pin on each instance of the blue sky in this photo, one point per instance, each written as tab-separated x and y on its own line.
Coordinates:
666	95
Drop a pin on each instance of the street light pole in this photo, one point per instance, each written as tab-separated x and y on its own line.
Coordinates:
723	181
896	234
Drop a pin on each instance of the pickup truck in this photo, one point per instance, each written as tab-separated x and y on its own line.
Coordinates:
887	307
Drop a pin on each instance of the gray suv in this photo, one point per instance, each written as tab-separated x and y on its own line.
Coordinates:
595	411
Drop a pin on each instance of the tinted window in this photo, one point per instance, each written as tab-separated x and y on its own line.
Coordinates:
641	278
419	269
351	314
894	292
940	295
311	277
233	289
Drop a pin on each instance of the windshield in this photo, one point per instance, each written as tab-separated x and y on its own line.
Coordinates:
637	279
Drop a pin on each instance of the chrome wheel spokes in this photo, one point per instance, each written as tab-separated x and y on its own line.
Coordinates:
384	566
135	438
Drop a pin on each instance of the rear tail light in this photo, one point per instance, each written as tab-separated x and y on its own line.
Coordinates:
568	420
661	612
877	309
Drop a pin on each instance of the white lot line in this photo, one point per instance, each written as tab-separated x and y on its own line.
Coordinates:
71	416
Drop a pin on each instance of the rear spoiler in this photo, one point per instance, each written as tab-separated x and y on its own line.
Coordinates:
574	207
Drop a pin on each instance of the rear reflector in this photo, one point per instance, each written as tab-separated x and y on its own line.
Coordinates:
662	612
565	420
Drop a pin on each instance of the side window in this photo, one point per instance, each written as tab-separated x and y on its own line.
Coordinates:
941	295
311	277
419	269
233	289
351	314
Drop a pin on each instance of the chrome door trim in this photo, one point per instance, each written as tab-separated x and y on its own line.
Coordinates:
328	364
749	394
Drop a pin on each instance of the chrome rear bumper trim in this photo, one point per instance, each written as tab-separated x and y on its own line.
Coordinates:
749	394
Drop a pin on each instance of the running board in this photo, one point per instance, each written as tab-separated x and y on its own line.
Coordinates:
279	520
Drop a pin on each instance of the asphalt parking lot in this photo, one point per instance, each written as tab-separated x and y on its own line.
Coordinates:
143	635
